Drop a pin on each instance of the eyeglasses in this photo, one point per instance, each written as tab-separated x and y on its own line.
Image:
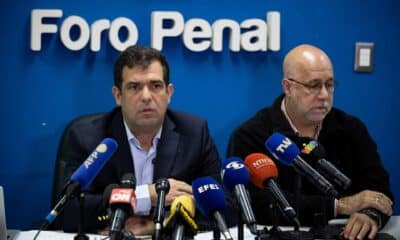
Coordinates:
315	87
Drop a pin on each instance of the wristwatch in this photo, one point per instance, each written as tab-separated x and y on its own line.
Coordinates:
374	214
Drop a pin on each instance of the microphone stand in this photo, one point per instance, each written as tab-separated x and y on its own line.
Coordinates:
81	234
264	234
179	232
321	229
240	226
275	223
275	230
162	188
297	233
216	232
297	195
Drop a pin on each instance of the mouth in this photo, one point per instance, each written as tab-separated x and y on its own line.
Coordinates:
322	109
147	110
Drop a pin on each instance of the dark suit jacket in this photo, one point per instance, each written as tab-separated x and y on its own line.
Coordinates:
185	152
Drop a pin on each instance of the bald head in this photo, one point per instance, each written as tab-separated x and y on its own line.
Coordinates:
304	58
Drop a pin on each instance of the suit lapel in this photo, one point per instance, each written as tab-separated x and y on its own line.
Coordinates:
122	157
167	150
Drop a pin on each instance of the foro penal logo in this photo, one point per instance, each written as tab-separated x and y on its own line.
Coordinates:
197	34
102	148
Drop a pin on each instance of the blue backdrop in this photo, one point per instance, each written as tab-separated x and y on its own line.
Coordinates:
43	91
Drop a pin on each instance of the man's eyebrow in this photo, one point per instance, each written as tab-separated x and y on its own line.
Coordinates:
321	80
146	81
132	82
155	81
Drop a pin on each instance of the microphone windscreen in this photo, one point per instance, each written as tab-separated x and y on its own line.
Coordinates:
107	193
124	198
209	195
315	150
234	172
128	180
187	202
282	148
162	184
85	174
183	207
301	142
173	213
311	150
261	168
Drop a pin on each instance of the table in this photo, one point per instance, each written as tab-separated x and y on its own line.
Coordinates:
392	228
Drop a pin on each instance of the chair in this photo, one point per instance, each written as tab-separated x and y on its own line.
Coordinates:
58	181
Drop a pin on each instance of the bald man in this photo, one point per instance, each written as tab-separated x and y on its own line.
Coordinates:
305	111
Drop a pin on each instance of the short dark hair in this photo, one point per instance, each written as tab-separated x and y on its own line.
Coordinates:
139	56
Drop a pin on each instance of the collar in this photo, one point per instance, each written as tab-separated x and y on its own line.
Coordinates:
135	141
317	129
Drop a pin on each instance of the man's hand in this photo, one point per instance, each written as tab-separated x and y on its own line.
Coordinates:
176	189
365	199
140	225
358	226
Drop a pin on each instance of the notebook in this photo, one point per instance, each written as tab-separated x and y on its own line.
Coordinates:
4	233
3	226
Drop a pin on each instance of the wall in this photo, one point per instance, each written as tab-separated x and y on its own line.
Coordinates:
42	91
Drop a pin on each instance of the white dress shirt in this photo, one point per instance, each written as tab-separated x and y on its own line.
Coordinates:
144	169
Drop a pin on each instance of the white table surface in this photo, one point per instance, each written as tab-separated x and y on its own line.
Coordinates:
392	228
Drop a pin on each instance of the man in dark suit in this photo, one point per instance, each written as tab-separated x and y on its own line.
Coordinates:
154	142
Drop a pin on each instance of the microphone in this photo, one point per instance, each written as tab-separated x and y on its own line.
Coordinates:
235	177
317	151
104	217
83	176
181	218
263	171
128	180
283	149
162	188
210	200
107	194
122	203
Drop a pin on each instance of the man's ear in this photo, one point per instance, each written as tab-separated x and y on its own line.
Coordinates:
117	95
286	86
170	91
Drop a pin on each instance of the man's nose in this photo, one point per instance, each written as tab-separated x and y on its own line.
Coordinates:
323	92
146	94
